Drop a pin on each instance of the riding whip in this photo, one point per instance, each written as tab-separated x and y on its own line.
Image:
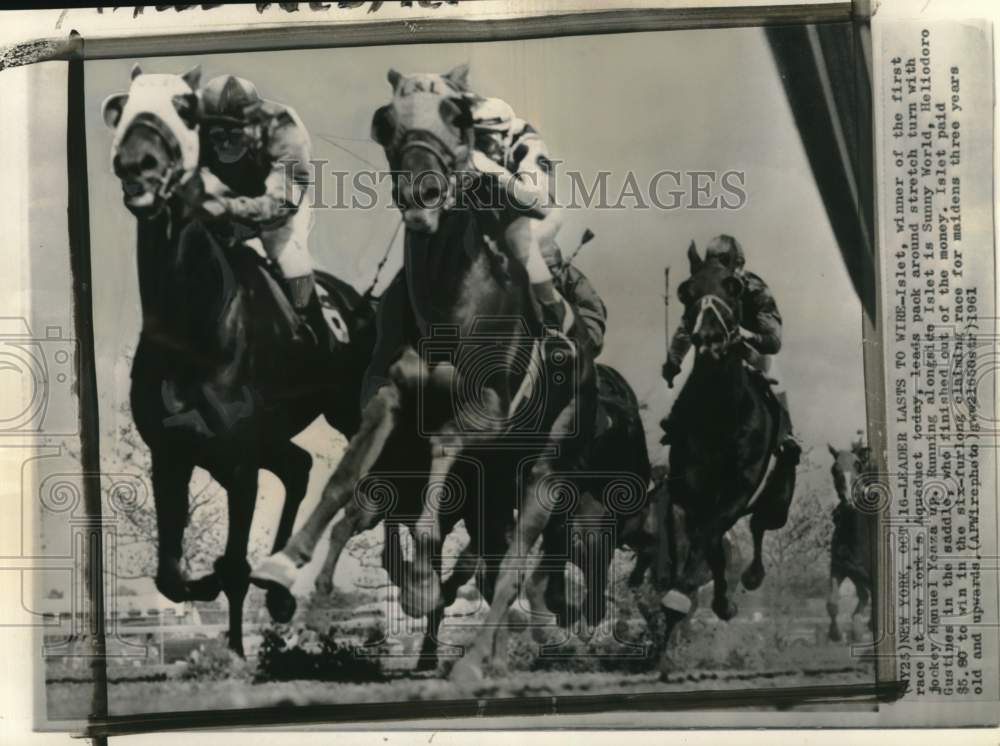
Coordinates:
666	306
388	249
584	239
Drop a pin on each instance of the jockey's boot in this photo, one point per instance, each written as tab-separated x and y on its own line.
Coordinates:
788	446
302	294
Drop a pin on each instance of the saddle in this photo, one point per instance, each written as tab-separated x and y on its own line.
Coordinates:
764	384
329	323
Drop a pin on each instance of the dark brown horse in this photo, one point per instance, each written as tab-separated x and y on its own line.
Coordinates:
728	423
852	546
219	380
483	416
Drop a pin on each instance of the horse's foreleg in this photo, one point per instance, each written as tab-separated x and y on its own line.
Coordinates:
862	610
170	494
392	553
291	464
465	568
356	518
833	607
542	598
596	565
753	576
722	605
769	514
531	521
232	569
378	421
420	592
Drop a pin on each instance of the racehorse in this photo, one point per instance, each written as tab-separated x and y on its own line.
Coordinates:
729	422
852	545
219	380
660	543
483	416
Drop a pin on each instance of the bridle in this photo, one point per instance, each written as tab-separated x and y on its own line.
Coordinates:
713	304
451	157
175	175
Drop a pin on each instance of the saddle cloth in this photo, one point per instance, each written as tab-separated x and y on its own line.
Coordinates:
336	325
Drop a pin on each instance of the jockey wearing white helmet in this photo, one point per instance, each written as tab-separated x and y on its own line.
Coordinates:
509	147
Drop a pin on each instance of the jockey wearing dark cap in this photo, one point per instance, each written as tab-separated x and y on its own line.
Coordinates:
761	333
258	152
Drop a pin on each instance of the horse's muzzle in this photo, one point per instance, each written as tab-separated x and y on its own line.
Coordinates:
421	220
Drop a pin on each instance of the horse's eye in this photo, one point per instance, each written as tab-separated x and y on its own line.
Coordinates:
148	162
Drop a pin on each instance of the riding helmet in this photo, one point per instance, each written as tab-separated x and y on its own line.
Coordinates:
226	99
727	251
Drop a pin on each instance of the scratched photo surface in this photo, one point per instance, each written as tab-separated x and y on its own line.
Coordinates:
224	429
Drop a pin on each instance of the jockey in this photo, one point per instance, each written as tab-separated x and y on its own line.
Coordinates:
512	150
257	155
578	291
760	331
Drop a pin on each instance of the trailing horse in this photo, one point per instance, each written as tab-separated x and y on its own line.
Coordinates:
728	425
483	415
219	379
852	546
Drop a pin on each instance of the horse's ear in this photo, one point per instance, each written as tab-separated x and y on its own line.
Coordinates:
394	76
112	107
456	112
833	451
136	71
684	292
383	125
733	286
187	108
693	258
458	76
193	77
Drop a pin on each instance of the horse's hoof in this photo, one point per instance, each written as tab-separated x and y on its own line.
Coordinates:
280	603
278	569
724	609
666	666
676	603
324	587
621	630
206	588
173	586
466	674
752	577
547	635
426	662
834	634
